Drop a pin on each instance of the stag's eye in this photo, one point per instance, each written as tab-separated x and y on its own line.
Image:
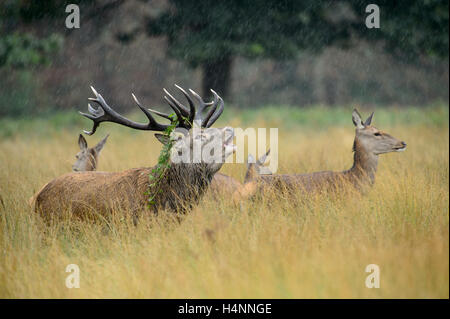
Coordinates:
377	134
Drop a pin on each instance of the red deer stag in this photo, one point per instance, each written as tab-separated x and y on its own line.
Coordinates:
369	143
180	186
223	185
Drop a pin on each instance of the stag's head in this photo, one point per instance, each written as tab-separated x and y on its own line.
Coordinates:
193	141
373	140
209	146
86	158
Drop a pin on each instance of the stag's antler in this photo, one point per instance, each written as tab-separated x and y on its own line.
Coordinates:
106	114
196	116
185	116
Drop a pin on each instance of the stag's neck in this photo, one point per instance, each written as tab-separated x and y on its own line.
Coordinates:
182	186
364	165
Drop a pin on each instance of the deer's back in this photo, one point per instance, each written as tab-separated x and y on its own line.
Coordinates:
85	192
326	180
224	185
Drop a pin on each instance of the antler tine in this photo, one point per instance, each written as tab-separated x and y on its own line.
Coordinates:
191	104
106	114
176	110
203	105
147	113
215	115
166	116
183	109
210	112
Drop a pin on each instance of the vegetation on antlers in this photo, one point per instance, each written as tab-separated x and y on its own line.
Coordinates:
163	164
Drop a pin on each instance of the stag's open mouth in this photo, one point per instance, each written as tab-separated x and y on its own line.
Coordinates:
228	143
229	140
229	135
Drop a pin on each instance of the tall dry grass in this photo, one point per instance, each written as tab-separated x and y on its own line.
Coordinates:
316	247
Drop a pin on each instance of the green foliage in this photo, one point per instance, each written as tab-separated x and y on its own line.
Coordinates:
22	50
281	116
163	164
20	24
20	94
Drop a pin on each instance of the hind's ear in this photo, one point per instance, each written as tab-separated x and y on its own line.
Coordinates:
263	158
164	139
356	118
100	144
82	142
369	120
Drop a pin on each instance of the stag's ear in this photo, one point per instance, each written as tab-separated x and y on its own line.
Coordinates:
369	120
263	158
356	118
164	139
100	144
82	142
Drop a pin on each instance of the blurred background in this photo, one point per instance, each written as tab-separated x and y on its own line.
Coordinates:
253	53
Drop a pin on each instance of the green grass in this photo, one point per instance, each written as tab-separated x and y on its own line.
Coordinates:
318	117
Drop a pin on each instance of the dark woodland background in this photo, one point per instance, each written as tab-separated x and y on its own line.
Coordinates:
254	53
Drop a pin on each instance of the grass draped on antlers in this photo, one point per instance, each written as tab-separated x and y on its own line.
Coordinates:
163	163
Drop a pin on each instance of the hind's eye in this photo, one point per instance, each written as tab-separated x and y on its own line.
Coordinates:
377	134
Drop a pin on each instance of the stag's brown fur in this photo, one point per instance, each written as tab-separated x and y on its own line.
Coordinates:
178	189
102	192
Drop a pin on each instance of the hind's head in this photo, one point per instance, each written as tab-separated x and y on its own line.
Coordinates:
373	140
256	168
87	158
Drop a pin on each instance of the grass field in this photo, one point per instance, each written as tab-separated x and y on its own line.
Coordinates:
316	248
